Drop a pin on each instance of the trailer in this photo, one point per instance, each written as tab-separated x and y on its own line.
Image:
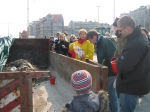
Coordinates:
17	91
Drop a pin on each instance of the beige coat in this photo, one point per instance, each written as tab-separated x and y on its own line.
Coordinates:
120	44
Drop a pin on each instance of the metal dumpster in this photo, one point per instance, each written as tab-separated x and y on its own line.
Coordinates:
16	87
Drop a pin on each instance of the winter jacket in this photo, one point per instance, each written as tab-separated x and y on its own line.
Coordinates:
119	46
86	46
51	44
89	103
105	51
60	49
134	65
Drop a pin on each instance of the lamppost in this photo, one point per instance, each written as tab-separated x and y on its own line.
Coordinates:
98	14
27	18
8	29
114	11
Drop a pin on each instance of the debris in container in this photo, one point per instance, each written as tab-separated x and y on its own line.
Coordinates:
41	79
18	65
13	69
24	65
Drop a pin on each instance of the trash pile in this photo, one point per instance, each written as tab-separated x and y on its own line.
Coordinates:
24	65
19	65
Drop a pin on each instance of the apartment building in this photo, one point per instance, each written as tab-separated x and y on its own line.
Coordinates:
47	26
32	28
141	16
75	26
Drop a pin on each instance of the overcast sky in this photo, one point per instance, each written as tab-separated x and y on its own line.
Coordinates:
14	12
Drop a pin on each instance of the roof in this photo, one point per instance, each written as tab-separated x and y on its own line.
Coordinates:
24	32
56	18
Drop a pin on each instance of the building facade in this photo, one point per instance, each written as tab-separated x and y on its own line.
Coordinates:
75	26
141	16
47	26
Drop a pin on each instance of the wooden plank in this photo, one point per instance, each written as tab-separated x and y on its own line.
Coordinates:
104	78
30	98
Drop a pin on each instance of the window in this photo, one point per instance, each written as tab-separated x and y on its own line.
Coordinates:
59	24
49	16
54	28
60	27
54	24
60	19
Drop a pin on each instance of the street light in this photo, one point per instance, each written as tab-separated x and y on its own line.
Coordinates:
114	11
8	29
27	18
98	13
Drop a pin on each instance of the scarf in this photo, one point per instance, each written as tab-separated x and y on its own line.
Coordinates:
81	40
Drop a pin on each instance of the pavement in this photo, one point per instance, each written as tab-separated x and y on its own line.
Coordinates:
143	104
51	98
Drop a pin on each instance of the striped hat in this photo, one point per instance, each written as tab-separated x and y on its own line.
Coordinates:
81	81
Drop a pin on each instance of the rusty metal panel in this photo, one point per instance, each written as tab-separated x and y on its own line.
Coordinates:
103	72
4	82
36	51
9	98
11	105
16	90
17	109
14	93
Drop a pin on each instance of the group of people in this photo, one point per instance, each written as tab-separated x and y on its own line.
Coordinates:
79	48
132	54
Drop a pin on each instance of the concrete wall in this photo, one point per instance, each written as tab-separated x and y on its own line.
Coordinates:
65	66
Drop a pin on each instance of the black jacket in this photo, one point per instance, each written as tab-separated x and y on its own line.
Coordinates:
134	65
60	49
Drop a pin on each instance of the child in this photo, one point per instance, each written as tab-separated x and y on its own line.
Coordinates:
86	100
82	48
63	45
73	38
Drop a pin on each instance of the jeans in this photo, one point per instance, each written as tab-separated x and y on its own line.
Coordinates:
128	102
113	99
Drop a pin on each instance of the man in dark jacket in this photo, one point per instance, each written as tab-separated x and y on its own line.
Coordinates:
105	51
133	65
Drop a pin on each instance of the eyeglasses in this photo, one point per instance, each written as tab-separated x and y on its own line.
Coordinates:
121	30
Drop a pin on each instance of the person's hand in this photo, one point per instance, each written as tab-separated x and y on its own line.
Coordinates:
82	56
63	46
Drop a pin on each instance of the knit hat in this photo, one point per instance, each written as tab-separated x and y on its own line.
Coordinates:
81	81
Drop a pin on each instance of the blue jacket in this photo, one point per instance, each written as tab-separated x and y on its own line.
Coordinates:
84	103
90	102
